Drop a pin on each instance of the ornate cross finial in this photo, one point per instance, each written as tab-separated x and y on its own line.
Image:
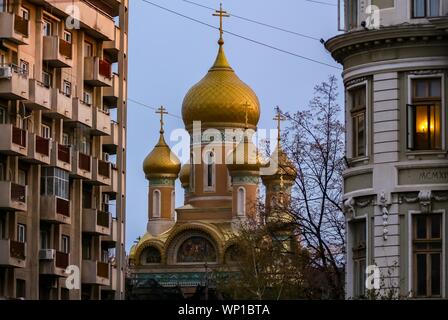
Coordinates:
221	14
279	118
246	110
162	111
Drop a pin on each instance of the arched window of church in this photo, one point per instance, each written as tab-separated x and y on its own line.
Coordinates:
210	171
151	255
156	205
241	202
196	249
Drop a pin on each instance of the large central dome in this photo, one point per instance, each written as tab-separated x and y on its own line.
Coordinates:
219	99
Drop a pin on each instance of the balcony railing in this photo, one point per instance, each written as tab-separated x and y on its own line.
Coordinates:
104	168
19	137
63	207
84	162
43	146
17	250
62	260
65	48
21	25
105	69
103	270
103	219
18	193
64	153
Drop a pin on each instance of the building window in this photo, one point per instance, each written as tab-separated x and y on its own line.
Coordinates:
45	131
25	13
86	248
46	79
65	244
156	204
2	115
20	289
21	233
353	14
425	8
68	36
192	172
358	116
24	68
22	177
210	172
47	30
241	202
359	252
88	49
44	239
55	182
65	139
152	255
87	97
425	115
67	88
427	255
85	145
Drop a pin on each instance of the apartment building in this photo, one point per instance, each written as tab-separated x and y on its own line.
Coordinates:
63	70
395	75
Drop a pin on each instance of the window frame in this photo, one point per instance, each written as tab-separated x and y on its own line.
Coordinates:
410	102
426	10
21	233
350	120
156	204
65	244
206	167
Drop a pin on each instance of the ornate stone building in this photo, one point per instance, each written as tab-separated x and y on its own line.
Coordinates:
221	183
396	184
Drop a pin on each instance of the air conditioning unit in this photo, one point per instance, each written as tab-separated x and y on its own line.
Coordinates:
47	254
106	156
5	72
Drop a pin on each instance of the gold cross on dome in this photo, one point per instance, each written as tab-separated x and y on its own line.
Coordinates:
221	14
162	111
279	118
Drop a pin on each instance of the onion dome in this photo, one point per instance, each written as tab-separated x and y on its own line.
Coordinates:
244	157
184	175
280	165
161	162
218	99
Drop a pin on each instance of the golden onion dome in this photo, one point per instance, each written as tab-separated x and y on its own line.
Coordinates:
221	98
161	162
184	175
244	157
279	165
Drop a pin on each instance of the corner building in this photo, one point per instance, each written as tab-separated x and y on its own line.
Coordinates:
62	147
396	181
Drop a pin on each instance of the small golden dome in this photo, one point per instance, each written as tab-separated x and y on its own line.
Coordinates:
184	175
161	162
244	157
219	99
281	166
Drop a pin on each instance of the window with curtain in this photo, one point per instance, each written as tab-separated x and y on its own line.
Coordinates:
425	115
156	204
425	8
358	115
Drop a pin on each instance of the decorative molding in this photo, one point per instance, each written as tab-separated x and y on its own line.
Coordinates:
425	199
349	207
161	182
356	81
384	205
245	180
426	72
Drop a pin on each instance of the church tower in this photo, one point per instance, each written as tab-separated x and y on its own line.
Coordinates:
161	168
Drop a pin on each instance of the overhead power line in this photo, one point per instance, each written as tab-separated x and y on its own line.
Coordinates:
242	37
258	22
322	2
152	108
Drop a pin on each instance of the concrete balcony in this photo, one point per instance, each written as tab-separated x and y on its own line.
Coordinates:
57	52
110	143
97	72
111	239
95	272
61	105
14	83
112	189
53	263
111	94
39	97
96	222
113	47
102	172
14	28
13	141
55	210
13	196
81	166
38	149
12	253
61	157
82	113
113	280
101	123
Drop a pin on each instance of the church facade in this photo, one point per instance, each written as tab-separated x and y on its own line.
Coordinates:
182	246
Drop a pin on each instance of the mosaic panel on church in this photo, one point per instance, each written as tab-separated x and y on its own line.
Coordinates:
196	249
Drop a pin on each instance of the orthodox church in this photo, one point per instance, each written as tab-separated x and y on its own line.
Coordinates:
221	183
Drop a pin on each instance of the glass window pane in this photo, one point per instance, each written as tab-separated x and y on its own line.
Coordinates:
435	274
435	127
419	8
361	135
421	128
435	226
420	88
421	274
421	227
434	8
435	88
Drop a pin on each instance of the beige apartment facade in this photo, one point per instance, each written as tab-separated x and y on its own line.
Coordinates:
63	73
395	75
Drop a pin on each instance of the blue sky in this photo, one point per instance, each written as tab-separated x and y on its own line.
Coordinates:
168	54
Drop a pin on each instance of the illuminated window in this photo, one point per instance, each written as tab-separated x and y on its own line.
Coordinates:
358	114
425	115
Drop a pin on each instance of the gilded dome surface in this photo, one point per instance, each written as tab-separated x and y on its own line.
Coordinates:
221	98
161	162
184	175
